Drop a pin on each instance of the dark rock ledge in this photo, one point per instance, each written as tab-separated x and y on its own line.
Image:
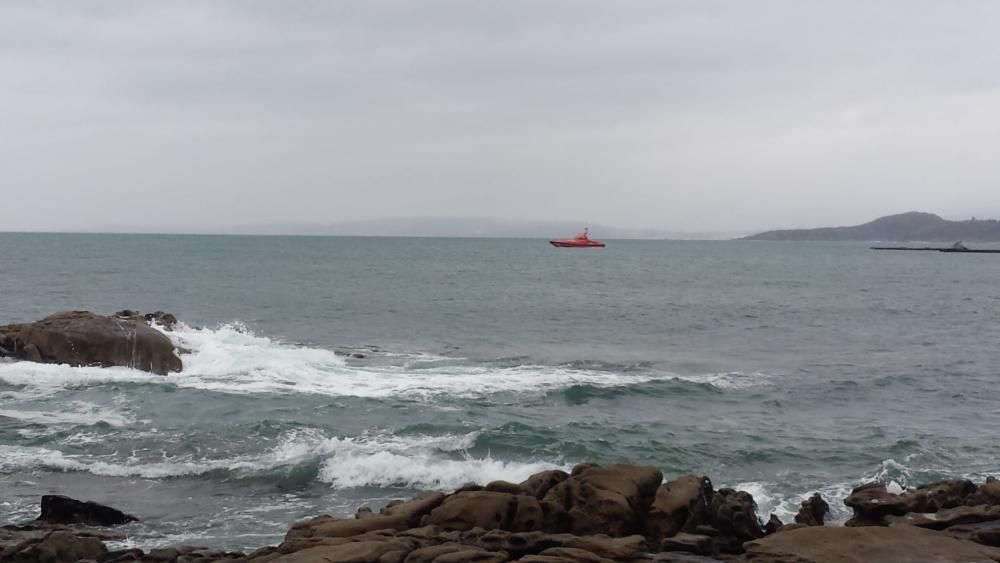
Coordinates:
595	514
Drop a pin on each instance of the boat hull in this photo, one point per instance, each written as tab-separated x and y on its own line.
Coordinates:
577	244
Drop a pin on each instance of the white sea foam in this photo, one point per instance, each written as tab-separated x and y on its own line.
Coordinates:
416	462
232	359
378	460
70	414
731	380
772	498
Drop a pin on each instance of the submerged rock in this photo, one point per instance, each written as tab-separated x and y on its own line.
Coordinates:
82	338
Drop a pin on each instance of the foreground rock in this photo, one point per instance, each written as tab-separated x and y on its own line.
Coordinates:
53	543
594	514
82	338
829	544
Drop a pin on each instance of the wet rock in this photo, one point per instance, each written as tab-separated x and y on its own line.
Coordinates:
58	509
488	510
81	338
813	511
872	502
834	544
612	500
679	504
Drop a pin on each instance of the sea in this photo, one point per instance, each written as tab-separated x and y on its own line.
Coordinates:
326	373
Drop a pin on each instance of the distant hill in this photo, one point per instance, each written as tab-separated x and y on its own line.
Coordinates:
913	226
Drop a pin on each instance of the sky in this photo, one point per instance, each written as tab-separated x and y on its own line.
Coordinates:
679	115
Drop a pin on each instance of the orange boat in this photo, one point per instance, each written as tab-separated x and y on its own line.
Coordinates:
581	240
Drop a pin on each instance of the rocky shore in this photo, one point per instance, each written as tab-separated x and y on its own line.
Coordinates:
594	514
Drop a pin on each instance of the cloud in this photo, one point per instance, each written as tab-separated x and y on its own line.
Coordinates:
692	115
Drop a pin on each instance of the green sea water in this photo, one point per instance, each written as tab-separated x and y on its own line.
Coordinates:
780	368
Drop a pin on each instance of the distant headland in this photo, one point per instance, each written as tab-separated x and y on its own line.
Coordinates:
904	227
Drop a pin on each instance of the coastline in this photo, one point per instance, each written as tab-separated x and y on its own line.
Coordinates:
615	513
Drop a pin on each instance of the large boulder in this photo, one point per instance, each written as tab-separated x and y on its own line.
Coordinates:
609	500
835	544
58	509
82	338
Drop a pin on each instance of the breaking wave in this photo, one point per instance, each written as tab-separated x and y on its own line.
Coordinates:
232	359
381	461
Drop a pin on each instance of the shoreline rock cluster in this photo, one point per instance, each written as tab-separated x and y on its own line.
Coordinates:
594	514
82	338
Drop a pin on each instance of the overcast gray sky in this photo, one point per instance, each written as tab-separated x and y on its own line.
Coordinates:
680	115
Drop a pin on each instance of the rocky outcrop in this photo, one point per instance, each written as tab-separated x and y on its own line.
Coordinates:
872	502
82	338
590	515
57	509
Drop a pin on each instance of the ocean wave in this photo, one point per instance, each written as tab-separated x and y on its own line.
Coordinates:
304	456
71	413
232	359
